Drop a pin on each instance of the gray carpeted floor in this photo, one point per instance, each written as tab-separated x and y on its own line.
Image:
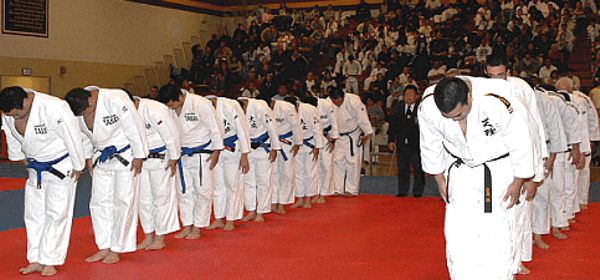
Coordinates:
11	202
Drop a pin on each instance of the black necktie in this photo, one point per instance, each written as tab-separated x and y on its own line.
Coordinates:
408	113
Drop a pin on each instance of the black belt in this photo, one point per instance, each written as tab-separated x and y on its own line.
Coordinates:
156	155
347	134
487	181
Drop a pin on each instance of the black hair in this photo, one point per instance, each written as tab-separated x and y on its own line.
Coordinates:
168	93
128	94
78	100
336	92
12	98
496	60
311	100
449	93
264	97
410	86
292	100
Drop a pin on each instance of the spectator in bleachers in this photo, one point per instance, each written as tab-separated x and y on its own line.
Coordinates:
546	70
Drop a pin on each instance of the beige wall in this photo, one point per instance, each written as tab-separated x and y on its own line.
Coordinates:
104	42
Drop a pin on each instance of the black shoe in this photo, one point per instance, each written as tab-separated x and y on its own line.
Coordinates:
401	194
418	195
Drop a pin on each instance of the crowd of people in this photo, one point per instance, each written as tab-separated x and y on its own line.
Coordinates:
266	132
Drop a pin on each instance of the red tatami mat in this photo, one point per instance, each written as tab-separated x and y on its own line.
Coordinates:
11	184
369	237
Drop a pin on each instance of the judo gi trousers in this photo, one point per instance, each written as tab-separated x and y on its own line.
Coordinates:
114	205
158	198
352	85
584	182
522	233
325	172
49	215
257	182
195	203
549	201
571	189
283	176
346	166
307	178
478	244
228	198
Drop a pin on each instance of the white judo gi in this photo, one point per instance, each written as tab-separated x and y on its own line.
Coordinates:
117	137
577	105
287	124
352	122
51	137
200	132
228	198
330	129
158	189
307	177
548	209
479	245
263	139
594	135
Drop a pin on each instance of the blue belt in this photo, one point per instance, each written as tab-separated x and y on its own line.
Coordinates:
282	139
307	142
347	134
260	141
112	152
40	167
189	151
229	142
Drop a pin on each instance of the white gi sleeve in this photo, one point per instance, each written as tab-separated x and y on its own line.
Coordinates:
513	121
296	128
131	123
161	119
555	130
433	156
569	118
212	122
360	112
15	152
242	128
266	117
67	128
335	132
316	127
592	117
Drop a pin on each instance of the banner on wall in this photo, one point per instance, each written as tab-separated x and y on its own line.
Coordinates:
25	17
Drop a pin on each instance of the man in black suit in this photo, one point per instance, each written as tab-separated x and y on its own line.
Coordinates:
403	136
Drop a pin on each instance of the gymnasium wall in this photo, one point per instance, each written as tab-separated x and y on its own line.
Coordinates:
103	42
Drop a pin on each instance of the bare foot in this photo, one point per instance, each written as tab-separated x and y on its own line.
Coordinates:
229	226
250	216
321	200
217	223
523	270
274	207
112	258
307	204
48	270
299	203
558	234
259	218
538	241
338	194
348	194
583	206
314	199
572	221
100	255
184	232
194	234
31	268
567	228
157	244
280	209
148	239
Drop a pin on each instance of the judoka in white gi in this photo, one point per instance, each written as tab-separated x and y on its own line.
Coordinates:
115	147
330	134
355	130
264	143
228	198
547	202
479	171
201	137
158	190
497	68
594	136
578	105
287	124
41	131
307	159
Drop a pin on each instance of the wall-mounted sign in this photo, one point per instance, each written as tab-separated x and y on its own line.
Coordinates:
26	71
25	17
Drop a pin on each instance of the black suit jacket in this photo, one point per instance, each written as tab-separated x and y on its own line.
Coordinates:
404	130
